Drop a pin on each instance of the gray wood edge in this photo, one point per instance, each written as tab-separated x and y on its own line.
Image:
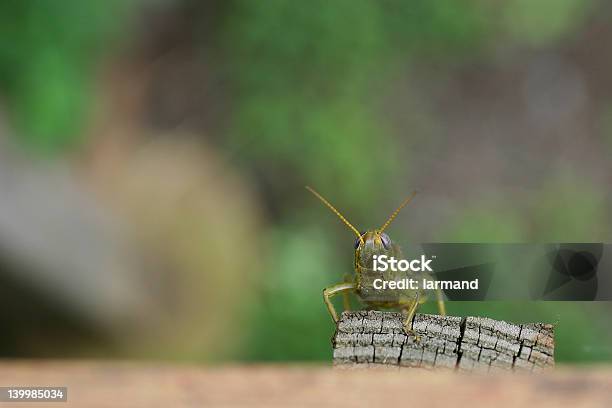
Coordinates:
375	338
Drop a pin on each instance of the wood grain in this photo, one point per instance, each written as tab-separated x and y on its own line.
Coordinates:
366	338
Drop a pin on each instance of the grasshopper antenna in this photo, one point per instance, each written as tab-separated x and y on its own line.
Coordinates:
331	207
406	201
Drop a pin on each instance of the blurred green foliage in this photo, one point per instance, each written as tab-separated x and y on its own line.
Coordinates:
304	75
291	310
304	79
571	210
545	21
302	86
48	57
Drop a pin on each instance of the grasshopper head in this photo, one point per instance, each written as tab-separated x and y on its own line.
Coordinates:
372	243
369	243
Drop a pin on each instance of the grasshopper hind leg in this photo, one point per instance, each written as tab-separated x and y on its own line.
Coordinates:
440	300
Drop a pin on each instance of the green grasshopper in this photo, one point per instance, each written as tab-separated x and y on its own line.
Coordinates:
368	244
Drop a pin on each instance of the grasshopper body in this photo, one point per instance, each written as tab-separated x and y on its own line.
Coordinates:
367	245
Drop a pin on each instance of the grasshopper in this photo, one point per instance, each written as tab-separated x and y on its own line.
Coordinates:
370	243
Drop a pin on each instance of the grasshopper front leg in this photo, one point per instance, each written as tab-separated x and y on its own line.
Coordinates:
346	300
408	310
331	291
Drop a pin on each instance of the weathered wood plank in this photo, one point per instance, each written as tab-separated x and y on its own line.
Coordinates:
450	342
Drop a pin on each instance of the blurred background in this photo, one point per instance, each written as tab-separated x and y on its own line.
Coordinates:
153	157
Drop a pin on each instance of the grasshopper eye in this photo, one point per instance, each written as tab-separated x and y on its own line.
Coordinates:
358	240
386	241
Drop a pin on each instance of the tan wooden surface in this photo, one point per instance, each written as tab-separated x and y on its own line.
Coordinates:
131	384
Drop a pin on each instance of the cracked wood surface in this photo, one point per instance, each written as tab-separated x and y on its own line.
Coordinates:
366	338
